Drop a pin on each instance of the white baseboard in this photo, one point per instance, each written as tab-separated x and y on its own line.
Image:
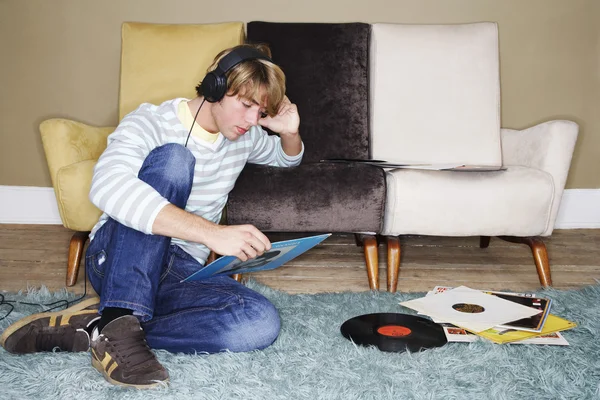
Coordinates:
28	205
579	209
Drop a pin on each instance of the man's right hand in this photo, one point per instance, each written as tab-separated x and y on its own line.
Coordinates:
241	241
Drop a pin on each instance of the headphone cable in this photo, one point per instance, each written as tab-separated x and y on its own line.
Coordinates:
66	303
195	116
54	305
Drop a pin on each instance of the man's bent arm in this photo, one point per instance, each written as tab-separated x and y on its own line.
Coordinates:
241	241
291	144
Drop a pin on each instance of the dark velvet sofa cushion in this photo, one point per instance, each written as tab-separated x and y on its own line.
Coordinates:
326	67
318	197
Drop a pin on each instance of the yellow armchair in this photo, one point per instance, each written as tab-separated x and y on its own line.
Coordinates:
158	62
72	149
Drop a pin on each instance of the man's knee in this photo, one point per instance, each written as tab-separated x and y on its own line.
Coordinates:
169	168
258	329
249	323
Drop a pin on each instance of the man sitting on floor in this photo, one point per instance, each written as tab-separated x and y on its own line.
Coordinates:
162	184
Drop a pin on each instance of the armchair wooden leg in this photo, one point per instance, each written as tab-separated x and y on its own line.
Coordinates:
371	260
540	256
75	252
393	263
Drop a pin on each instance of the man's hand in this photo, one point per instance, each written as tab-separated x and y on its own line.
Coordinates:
241	241
287	120
286	123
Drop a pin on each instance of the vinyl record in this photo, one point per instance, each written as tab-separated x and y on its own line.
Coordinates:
394	332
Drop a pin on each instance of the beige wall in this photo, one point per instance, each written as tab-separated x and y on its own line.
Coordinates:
60	58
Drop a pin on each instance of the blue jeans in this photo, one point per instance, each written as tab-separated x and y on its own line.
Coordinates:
143	273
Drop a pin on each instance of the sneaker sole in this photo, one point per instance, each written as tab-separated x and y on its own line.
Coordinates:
98	365
24	321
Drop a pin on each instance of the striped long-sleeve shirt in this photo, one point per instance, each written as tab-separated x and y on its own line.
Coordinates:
117	191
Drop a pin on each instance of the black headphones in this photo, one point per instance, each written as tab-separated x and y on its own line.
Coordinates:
214	84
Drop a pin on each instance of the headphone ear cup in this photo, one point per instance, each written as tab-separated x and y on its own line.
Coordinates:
214	87
220	87
208	87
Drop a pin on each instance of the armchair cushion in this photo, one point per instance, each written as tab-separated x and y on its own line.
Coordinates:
514	202
435	93
165	61
72	149
67	142
314	197
72	192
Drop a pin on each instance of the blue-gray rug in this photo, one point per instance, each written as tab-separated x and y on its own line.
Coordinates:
311	360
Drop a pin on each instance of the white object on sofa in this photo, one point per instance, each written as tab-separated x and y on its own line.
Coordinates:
435	98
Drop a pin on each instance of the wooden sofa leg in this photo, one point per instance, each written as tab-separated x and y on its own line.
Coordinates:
75	252
393	263
484	242
371	260
540	256
213	256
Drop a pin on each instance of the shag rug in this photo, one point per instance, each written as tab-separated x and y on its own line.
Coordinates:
311	360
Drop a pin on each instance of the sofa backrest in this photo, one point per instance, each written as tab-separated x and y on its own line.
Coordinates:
326	67
165	61
435	93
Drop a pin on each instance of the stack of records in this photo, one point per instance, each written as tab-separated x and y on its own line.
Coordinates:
466	314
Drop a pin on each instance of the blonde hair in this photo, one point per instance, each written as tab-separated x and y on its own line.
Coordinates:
249	78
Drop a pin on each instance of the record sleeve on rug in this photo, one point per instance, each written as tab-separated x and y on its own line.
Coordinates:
470	309
553	324
534	323
550	335
456	334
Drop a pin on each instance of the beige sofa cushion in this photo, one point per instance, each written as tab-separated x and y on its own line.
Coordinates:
514	202
435	93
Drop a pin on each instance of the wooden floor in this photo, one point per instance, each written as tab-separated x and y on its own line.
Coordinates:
35	255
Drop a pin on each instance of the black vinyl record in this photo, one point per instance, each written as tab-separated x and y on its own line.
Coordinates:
394	332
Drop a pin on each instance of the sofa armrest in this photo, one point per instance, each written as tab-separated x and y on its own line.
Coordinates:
548	147
67	142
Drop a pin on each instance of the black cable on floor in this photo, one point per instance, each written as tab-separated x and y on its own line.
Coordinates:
54	305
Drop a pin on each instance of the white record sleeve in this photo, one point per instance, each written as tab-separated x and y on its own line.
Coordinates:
470	309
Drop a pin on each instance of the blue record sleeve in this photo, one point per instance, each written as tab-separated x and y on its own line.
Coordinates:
280	253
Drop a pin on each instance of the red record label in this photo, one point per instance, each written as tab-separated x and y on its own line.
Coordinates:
394	330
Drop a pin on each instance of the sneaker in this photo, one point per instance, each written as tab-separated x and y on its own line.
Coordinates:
48	331
121	354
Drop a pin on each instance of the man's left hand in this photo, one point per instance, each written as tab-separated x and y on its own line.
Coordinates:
287	120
